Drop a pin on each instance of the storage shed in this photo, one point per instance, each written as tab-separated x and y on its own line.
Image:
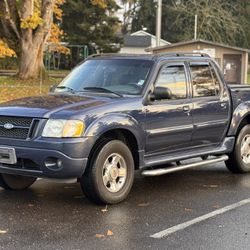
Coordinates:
232	60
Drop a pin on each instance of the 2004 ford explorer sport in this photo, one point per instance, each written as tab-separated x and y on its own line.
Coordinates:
115	114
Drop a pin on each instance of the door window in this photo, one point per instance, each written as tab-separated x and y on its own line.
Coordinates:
204	81
173	78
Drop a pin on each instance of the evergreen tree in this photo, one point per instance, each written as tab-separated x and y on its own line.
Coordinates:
144	15
88	24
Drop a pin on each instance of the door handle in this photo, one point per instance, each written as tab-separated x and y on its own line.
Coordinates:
223	105
186	109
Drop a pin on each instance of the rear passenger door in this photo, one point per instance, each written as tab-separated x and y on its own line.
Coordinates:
211	105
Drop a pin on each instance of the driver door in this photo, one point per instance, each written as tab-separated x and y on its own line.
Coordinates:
168	121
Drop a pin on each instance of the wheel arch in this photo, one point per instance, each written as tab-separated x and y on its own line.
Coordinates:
124	128
240	118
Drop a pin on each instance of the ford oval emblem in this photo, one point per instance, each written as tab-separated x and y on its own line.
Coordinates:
8	126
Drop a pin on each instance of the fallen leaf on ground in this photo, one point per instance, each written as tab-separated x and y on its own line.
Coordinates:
110	233
143	205
188	209
3	231
99	236
105	209
216	206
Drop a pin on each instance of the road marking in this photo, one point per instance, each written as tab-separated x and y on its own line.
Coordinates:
204	217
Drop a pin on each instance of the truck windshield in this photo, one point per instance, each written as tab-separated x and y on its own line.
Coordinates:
121	76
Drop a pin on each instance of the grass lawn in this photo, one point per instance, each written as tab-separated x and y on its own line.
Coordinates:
12	88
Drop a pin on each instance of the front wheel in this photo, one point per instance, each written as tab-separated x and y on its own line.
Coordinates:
110	174
239	159
15	182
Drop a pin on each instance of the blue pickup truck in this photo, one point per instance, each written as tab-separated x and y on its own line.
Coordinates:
114	114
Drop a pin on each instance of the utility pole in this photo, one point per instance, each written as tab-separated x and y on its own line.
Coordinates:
158	22
195	27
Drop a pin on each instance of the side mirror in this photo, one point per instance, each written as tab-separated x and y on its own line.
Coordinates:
162	93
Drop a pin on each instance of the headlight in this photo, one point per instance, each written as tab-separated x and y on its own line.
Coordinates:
63	128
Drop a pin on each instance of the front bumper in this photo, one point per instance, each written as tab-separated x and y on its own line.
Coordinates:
59	159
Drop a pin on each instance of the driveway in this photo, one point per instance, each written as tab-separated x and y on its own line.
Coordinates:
204	208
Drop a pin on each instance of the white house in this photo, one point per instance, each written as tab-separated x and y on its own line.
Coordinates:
137	42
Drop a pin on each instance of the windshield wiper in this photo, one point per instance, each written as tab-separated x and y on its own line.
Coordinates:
100	89
66	87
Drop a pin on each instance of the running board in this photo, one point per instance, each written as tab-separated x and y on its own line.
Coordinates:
162	171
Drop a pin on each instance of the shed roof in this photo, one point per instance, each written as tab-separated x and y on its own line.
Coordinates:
173	45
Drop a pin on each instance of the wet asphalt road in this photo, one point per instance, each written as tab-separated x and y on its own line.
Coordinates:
57	216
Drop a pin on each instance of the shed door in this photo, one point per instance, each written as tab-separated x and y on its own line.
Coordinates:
232	68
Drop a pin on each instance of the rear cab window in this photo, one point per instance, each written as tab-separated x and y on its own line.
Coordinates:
205	82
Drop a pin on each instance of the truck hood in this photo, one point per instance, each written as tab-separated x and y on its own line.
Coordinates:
45	106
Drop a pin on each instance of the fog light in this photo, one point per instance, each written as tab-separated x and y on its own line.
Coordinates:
53	163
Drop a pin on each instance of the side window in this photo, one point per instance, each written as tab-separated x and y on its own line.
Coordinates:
174	78
204	81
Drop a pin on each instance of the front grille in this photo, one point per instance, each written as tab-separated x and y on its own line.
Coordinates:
20	130
17	121
18	133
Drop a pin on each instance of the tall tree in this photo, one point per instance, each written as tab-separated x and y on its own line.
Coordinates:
243	15
218	20
144	15
88	23
25	26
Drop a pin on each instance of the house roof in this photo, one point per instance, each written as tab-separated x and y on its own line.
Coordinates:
144	33
137	41
173	45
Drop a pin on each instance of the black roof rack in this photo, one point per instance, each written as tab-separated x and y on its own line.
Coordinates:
120	55
169	54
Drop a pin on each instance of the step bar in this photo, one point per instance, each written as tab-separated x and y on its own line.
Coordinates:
162	171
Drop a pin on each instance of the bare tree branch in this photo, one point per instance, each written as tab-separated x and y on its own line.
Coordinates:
216	21
9	25
10	13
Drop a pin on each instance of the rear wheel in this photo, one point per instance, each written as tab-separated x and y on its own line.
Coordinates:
110	174
15	182
239	159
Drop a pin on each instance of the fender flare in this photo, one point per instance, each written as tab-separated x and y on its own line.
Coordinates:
116	121
238	116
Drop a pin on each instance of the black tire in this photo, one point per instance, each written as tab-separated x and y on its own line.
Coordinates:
15	182
236	162
92	182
